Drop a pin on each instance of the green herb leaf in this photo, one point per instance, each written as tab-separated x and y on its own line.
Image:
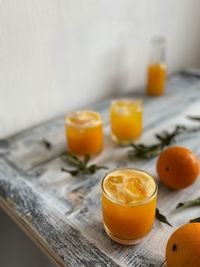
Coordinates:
3	143
39	172
162	218
47	144
86	159
189	203
164	138
195	220
72	172
162	263
72	159
81	166
93	168
195	118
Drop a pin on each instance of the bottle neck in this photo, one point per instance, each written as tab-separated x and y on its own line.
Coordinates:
158	51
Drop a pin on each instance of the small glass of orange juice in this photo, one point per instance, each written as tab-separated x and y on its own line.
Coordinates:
126	120
128	205
84	132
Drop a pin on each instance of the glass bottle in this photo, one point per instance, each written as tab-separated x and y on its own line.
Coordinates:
157	69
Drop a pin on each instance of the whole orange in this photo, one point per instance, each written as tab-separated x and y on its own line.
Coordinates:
183	247
177	167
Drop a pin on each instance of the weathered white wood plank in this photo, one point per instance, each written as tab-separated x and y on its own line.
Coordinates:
64	212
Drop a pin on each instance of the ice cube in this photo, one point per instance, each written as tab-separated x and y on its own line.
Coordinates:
121	197
134	189
140	186
115	179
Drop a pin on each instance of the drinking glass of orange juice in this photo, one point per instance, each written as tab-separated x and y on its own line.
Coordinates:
126	120
128	205
84	132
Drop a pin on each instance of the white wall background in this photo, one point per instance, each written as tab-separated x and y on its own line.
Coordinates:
58	55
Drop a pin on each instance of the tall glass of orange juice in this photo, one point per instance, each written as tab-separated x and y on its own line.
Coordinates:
126	120
84	132
128	205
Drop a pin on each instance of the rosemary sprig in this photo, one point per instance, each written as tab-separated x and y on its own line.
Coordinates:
195	220
81	166
189	203
149	151
162	218
145	151
164	139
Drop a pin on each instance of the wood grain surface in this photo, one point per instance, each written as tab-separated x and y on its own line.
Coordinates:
63	213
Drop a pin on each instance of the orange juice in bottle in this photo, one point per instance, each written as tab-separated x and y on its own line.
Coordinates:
156	70
128	205
126	120
84	132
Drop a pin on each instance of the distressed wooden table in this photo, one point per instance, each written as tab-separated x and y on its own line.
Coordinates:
62	214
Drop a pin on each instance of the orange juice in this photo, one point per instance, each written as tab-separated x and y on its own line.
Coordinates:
84	132
126	120
156	79
128	204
